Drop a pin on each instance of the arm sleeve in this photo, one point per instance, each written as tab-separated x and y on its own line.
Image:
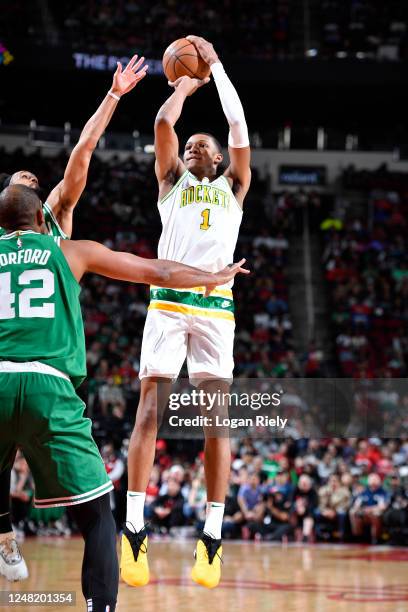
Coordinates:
232	107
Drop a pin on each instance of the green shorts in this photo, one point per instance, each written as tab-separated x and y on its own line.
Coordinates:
42	415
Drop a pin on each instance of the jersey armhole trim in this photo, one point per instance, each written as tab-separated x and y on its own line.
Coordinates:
240	208
173	188
53	217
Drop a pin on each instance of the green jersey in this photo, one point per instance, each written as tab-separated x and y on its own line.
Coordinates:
51	222
40	314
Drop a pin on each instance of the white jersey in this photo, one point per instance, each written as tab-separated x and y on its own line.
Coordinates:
201	221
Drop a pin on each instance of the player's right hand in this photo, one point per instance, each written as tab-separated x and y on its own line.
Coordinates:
225	275
189	85
125	80
205	49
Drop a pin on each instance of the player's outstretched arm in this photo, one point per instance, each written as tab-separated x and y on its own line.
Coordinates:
66	194
168	165
238	140
87	256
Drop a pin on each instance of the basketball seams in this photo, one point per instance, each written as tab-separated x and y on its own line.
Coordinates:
173	66
185	68
187	55
176	52
172	50
172	53
176	57
180	48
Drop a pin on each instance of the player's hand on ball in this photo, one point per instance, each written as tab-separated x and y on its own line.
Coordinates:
189	85
225	275
127	79
205	49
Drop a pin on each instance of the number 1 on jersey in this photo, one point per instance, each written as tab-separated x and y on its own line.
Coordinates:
206	219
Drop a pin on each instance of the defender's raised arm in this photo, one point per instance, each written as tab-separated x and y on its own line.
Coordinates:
64	197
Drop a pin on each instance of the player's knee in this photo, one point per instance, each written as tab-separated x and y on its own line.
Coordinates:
146	417
94	514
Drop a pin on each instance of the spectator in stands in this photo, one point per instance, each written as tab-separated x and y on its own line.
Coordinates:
304	504
283	484
368	509
162	458
396	515
249	495
334	503
326	467
178	473
196	505
233	516
153	488
168	508
110	395
272	517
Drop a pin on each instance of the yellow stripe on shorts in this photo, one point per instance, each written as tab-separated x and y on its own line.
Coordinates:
191	310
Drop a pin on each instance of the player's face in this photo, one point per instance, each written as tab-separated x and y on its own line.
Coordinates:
200	153
24	177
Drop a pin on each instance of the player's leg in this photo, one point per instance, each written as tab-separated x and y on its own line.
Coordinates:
154	393
68	470
134	565
100	570
217	463
5	509
217	448
12	564
210	355
164	348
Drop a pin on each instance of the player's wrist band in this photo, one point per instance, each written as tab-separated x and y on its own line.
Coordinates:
112	95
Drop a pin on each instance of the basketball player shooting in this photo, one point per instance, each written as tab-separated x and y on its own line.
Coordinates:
201	213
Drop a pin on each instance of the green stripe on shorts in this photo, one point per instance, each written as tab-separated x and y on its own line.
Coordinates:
192	299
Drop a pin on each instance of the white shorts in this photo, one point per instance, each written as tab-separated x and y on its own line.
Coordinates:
171	337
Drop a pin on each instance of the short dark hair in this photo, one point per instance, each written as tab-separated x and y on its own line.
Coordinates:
213	138
18	207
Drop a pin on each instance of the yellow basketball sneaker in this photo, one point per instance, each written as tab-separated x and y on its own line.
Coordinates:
207	568
134	568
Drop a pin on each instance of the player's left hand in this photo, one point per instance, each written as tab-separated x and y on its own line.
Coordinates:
188	85
125	80
205	49
225	275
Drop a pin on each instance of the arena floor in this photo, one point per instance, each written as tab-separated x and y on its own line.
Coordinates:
256	576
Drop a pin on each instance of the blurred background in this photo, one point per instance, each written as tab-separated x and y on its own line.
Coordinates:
325	231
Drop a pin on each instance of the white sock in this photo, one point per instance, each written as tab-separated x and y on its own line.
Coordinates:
135	501
213	520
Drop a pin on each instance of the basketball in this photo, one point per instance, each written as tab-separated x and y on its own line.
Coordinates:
181	58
